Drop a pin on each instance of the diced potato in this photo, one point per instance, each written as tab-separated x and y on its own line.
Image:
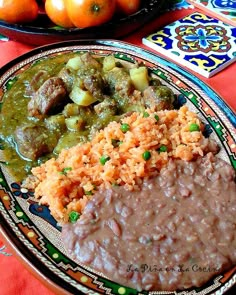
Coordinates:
139	77
81	97
71	109
78	81
109	63
74	63
74	123
56	122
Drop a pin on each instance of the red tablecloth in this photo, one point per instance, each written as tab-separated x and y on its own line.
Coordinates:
14	277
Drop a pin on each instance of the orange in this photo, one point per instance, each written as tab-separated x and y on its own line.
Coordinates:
127	7
18	11
56	11
87	13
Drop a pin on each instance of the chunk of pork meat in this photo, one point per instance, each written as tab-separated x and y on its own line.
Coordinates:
158	97
120	82
49	99
68	77
38	79
95	84
90	62
32	141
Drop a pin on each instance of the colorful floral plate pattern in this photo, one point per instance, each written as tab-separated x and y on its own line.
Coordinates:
29	227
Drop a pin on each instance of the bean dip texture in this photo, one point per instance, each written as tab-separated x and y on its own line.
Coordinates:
176	232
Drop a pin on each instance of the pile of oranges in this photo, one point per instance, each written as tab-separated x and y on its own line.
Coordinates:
67	13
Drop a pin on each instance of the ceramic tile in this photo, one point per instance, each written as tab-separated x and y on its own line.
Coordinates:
3	38
179	4
221	9
200	42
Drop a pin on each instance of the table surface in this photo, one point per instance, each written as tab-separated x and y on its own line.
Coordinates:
14	276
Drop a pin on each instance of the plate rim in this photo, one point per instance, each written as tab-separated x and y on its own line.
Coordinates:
112	44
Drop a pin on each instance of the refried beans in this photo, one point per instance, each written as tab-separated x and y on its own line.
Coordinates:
176	232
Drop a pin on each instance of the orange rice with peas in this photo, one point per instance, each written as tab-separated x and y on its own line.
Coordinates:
116	157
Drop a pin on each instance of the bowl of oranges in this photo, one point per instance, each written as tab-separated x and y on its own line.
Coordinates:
39	22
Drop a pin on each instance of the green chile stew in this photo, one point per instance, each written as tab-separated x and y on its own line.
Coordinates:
64	100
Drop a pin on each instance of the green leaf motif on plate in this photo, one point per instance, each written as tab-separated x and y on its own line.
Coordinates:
233	161
160	74
10	83
117	289
191	96
20	213
124	57
57	255
3	182
218	128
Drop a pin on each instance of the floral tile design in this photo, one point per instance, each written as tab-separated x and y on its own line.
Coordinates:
200	42
221	9
179	4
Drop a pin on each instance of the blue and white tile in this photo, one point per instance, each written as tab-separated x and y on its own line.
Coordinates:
200	42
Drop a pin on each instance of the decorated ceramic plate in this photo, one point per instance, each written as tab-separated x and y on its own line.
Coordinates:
28	226
42	31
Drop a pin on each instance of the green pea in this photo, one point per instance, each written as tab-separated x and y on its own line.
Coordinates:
65	170
194	127
74	216
156	117
104	159
90	193
162	148
146	114
124	127
146	155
